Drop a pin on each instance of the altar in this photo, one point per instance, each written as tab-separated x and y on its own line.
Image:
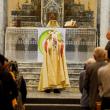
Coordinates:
21	43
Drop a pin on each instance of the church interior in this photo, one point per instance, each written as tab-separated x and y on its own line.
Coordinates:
82	24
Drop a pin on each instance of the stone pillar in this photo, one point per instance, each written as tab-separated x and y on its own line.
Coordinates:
104	21
3	12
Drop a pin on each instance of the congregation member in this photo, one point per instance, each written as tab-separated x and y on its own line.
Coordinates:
104	84
107	47
91	79
21	85
8	87
84	101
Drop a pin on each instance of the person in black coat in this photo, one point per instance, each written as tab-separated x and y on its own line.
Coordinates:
8	87
21	85
107	47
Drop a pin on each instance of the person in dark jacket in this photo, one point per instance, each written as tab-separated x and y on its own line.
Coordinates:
91	79
21	84
104	84
107	47
8	87
84	101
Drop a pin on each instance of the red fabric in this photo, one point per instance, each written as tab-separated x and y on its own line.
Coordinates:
45	45
62	48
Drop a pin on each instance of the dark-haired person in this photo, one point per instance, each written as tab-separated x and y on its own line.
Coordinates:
108	43
107	47
9	89
21	85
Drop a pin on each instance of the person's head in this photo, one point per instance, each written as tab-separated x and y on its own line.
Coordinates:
2	60
108	55
108	35
89	61
99	53
6	61
14	67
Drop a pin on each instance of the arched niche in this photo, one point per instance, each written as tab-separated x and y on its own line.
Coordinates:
82	46
32	45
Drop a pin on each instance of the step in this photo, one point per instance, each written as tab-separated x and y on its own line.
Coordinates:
66	96
56	100
66	100
29	64
37	73
31	73
39	65
52	106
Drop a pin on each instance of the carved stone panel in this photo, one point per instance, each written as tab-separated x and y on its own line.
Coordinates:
52	9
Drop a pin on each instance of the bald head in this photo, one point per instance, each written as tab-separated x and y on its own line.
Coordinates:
99	53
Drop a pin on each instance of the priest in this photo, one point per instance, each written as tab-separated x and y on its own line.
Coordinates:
54	74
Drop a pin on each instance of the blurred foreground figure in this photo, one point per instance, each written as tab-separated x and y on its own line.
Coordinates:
21	85
8	87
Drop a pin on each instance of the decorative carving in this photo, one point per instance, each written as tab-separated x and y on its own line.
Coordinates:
40	12
20	45
29	14
77	12
83	46
52	10
32	45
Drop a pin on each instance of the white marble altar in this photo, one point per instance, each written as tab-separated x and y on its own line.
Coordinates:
79	43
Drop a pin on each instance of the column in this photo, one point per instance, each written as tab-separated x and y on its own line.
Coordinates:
104	21
2	25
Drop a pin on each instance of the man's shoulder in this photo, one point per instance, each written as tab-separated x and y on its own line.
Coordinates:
91	66
82	73
103	68
98	64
